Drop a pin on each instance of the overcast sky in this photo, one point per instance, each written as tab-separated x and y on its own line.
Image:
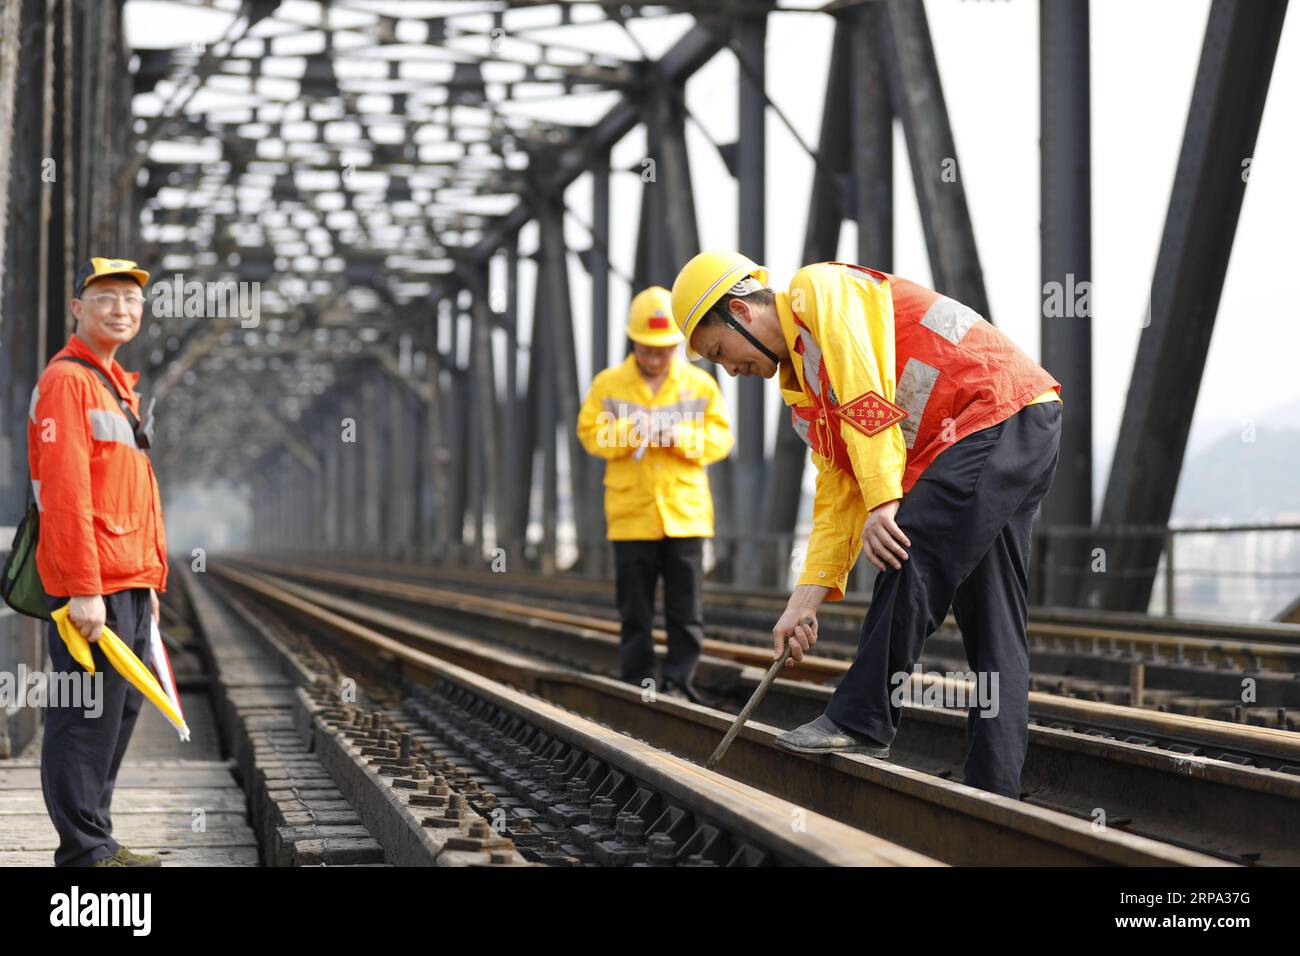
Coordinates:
1144	58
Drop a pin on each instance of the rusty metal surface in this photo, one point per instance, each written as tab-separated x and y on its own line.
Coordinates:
908	806
1263	746
1213	643
763	820
1199	783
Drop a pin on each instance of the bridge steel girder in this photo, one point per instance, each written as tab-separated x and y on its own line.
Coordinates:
852	178
543	399
598	266
553	276
489	415
917	97
687	55
668	237
750	466
517	460
1065	190
1232	81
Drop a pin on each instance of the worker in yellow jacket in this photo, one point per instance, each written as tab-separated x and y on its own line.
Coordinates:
657	421
934	438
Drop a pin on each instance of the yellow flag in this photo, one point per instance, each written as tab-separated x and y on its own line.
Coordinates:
124	662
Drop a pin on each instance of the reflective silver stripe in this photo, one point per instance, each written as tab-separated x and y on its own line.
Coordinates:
110	426
625	408
745	286
801	428
862	276
689	406
913	393
36	493
812	362
31	409
949	318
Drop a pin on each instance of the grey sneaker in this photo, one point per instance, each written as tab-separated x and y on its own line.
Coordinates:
824	736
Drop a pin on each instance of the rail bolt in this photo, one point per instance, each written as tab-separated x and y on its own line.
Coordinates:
579	793
602	811
630	829
663	849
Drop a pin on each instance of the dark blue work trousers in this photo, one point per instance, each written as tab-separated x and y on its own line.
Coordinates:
81	754
968	517
638	566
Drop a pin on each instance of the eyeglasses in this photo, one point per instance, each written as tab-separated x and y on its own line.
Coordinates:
106	300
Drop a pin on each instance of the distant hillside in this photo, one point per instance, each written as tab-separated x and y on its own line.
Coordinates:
1239	480
1227	478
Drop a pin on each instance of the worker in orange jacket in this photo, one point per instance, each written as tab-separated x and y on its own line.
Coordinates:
101	550
657	422
934	439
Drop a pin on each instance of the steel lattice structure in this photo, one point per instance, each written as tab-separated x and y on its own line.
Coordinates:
370	164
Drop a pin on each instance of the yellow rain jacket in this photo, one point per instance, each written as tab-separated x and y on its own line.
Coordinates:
655	448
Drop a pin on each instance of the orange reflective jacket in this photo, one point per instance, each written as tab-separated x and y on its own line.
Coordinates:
101	513
883	376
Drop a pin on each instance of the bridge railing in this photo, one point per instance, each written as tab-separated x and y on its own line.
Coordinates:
1243	570
1238	570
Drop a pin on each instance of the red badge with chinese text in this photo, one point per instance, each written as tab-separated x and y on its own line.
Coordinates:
870	414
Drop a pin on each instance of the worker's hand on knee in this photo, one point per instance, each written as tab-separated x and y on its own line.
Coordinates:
798	626
883	541
88	614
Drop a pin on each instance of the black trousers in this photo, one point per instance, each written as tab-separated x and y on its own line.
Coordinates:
968	518
80	754
638	566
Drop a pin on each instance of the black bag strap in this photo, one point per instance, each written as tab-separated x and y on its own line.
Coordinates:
108	384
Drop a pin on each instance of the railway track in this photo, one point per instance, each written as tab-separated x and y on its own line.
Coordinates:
569	642
727	597
1091	786
1242	673
456	769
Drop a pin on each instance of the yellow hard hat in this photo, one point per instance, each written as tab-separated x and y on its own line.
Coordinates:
649	318
703	281
100	266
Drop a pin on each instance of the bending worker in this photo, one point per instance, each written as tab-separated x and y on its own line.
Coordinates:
657	422
934	439
102	550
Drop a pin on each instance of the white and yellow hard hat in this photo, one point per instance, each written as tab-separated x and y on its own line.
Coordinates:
704	280
650	318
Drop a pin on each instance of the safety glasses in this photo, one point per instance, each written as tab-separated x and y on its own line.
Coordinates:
106	300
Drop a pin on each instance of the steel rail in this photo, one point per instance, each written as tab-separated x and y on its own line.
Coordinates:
937	817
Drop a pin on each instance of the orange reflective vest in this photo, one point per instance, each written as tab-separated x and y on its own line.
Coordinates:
101	513
884	375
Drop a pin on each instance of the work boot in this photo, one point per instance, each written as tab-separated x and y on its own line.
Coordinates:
687	690
136	859
824	736
110	861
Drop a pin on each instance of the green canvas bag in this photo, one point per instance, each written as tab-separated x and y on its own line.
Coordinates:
20	583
